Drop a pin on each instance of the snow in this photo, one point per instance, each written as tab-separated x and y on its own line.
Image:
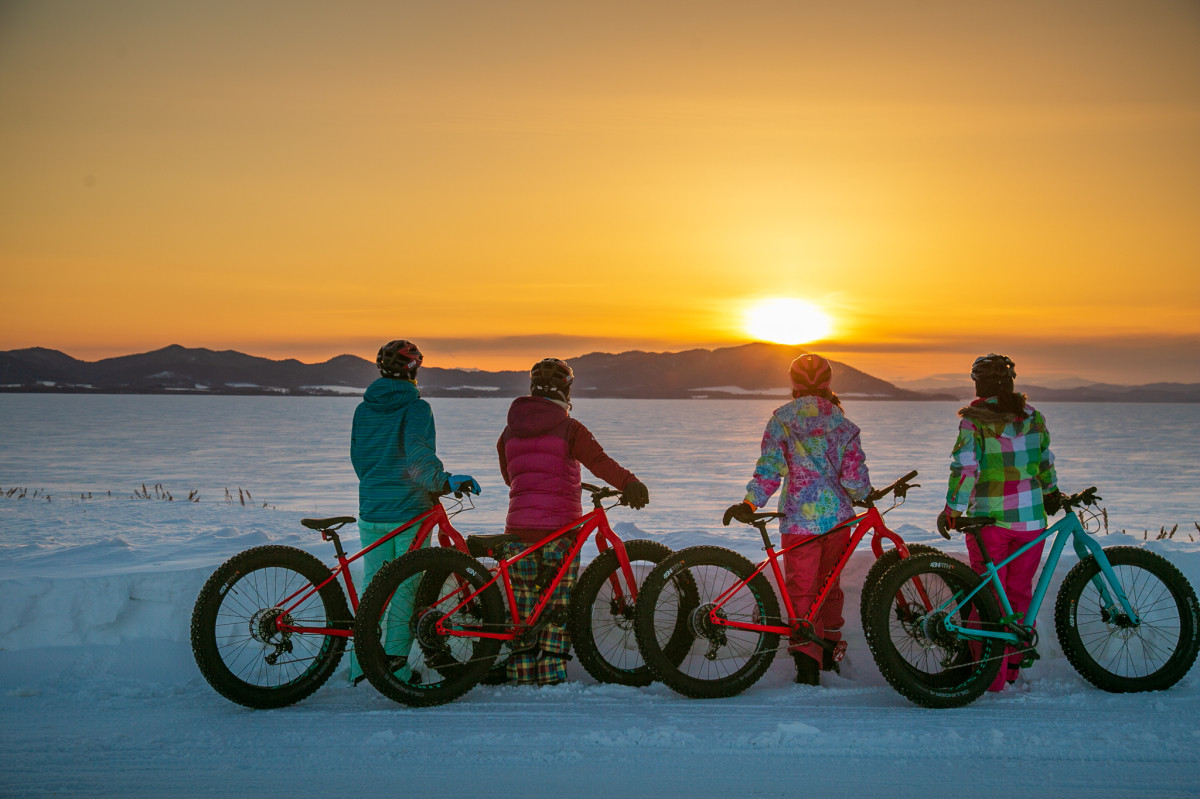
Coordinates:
100	696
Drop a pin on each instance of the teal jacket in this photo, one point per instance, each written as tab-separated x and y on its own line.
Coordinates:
393	449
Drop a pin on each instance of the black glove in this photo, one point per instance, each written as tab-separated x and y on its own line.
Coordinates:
945	523
1052	502
636	495
741	511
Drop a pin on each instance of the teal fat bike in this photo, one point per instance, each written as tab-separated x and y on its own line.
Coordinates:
1126	618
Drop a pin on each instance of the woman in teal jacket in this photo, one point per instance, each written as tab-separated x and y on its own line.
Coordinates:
393	450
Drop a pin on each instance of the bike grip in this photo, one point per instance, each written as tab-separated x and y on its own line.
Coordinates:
908	476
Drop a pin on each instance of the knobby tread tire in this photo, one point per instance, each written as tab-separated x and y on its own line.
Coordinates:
443	676
1157	654
616	658
936	674
671	590
228	655
875	574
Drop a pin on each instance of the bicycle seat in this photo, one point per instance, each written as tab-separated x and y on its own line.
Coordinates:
484	546
334	522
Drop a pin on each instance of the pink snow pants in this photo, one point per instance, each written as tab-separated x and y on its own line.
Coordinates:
1016	577
805	569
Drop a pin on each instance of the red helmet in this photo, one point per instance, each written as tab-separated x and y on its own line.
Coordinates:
551	377
810	373
399	358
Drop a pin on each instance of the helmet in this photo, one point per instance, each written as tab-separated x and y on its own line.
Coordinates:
993	368
399	359
551	377
810	373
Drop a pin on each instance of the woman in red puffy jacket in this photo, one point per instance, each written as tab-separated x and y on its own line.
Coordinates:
541	451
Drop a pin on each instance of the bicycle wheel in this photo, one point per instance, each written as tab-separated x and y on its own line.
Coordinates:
1105	647
918	656
875	574
235	635
400	649
718	660
601	624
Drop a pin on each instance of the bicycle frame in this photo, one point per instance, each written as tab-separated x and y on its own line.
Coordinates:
435	517
594	521
1070	527
869	521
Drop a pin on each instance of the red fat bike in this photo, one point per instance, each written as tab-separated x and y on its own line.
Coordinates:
729	612
271	624
433	623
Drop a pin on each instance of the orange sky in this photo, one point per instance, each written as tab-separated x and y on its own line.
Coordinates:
505	180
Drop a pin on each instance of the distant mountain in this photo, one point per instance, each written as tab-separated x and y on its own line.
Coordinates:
752	370
1093	392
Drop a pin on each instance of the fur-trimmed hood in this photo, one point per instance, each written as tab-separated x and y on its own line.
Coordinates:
986	413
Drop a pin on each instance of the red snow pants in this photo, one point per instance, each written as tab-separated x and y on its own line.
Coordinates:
805	569
1016	577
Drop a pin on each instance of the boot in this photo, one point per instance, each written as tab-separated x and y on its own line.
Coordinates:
828	663
808	671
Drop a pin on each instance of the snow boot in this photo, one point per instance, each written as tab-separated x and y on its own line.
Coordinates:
808	671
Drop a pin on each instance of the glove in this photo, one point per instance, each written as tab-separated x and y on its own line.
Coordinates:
636	495
743	512
1052	502
464	484
945	523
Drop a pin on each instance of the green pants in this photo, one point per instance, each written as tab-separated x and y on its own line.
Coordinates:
396	636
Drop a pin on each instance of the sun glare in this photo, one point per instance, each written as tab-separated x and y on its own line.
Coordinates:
787	321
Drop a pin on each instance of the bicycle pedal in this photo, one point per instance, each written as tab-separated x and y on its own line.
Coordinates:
1029	657
839	651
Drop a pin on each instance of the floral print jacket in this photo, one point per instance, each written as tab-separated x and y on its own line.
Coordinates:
813	450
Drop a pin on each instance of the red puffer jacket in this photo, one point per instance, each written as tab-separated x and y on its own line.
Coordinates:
540	452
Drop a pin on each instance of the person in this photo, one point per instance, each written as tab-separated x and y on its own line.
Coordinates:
810	443
393	451
1002	467
540	453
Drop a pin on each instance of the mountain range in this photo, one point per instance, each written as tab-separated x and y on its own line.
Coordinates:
749	371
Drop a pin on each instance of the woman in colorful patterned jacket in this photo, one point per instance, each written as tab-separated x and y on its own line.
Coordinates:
1002	467
813	446
540	452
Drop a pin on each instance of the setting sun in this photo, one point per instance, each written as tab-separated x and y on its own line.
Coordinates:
784	320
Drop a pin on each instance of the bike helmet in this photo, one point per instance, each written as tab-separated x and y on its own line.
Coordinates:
551	377
810	373
399	359
993	374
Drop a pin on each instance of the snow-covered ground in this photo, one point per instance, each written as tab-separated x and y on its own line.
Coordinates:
99	696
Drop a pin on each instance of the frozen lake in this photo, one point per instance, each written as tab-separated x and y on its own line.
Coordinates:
695	455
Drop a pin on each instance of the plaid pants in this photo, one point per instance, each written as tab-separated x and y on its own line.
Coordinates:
542	661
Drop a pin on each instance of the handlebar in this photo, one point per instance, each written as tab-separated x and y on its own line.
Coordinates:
899	488
602	493
968	524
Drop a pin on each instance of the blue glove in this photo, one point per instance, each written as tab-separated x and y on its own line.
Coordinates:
464	484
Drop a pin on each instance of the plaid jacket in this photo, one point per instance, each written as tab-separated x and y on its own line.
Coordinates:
812	446
1001	466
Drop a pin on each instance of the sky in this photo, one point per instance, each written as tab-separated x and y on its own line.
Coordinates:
505	181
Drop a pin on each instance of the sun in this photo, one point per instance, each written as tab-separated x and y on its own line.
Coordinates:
784	320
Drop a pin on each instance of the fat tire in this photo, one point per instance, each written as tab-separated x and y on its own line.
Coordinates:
1168	635
676	588
875	574
443	675
602	633
928	672
231	648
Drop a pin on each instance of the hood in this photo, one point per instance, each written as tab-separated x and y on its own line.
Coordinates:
810	415
985	412
533	416
387	394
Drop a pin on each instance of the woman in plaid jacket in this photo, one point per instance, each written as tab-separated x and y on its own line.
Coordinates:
1002	467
